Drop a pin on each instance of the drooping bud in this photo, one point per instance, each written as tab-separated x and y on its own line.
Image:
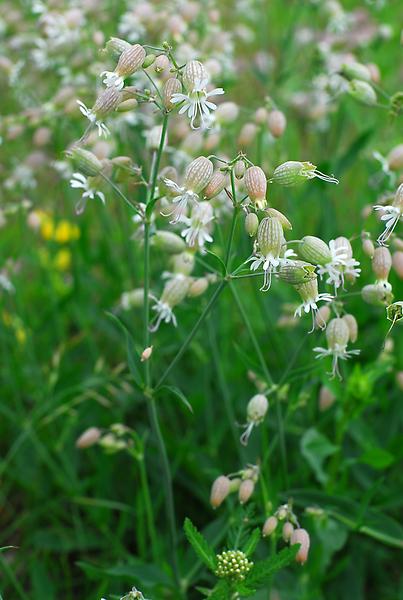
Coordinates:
88	438
382	263
337	334
239	169
301	536
368	247
377	294
285	223
352	325
198	287
246	490
257	408
296	272
256	186
130	60
168	241
183	263
251	224
287	532
107	101
198	174
148	61
277	123
146	354
115	46
363	92
261	115
219	491
314	250
326	398
127	105
161	63
293	172
395	158
247	135
397	261
193	73
322	316
86	162
270	236
172	86
132	299
227	112
217	183
269	526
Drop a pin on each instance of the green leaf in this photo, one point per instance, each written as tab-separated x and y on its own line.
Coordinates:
223	267
252	542
220	591
377	458
130	350
262	571
315	448
200	545
178	393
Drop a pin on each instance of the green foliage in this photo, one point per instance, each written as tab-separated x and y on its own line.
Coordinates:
200	545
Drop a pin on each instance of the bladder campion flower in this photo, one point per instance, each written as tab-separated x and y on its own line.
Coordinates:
310	298
106	102
198	227
174	292
256	412
337	336
391	215
293	172
129	62
79	181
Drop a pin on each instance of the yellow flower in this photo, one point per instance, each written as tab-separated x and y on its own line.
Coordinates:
21	335
64	232
62	260
47	228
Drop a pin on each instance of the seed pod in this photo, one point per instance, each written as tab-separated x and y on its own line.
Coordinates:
355	70
337	334
107	101
168	242
193	73
246	490
130	60
146	354
382	263
88	438
161	63
352	325
269	526
287	532
183	263
198	287
296	272
363	92
326	398
175	290
285	223
277	123
247	135
172	86
301	536
239	169
217	183
198	174
377	294
322	316
257	408
270	236
397	261
256	185
86	162
368	247
251	224
314	250
219	491
395	158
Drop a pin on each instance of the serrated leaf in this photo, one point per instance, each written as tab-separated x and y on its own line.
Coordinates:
130	350
252	542
262	571
220	591
178	393
200	545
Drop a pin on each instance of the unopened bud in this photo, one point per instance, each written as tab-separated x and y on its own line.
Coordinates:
273	212
368	247
172	86
397	261
227	112
169	242
251	224
352	325
256	186
87	163
115	46
326	398
363	92
277	123
355	70
88	438
382	263
269	526
183	263
287	532
193	73
161	63
245	490
130	60
322	316
198	287
145	355
395	158
217	183
127	105
239	169
301	536
377	294
198	174
219	491
247	135
132	299
314	250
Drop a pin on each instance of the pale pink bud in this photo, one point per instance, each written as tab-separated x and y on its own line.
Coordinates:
246	490
277	123
382	262
88	438
395	158
322	316
368	247
161	63
352	325
256	185
198	174
269	526
172	86
227	112
145	355
198	287
261	115
217	183
288	529
219	491
326	398
397	260
247	135
301	536
42	136
130	60
239	169
251	224
374	72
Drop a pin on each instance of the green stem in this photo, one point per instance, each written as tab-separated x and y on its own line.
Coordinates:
120	193
149	510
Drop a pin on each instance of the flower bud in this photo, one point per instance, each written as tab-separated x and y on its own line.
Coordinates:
172	86
127	105
257	408
352	325
355	70
337	334
269	526
314	250
198	287
219	491
183	263
270	236
193	73
377	294
301	536
287	532
161	63
251	224
261	115
115	46
88	438
146	354
395	158
169	242
368	247
227	112
296	272
198	174
398	199
256	186
235	484
246	490
247	135
239	169
132	299
277	123
322	316
216	184
130	60
148	61
107	101
397	261
87	163
382	263
273	212
175	290
326	398
363	92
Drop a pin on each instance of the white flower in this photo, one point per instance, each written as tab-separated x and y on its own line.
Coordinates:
197	104
92	117
199	225
175	290
341	265
6	284
310	298
338	352
391	217
79	181
180	201
112	79
269	263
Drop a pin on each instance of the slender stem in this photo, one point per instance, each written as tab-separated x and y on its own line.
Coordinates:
120	193
149	510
